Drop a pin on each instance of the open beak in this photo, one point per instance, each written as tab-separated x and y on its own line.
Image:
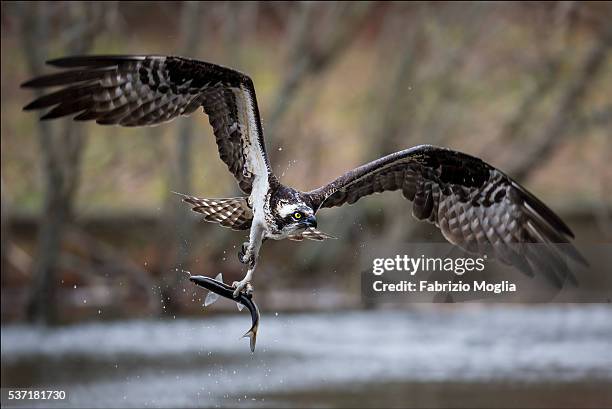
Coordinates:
310	221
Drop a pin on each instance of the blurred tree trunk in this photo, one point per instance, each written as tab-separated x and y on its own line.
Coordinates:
191	40
179	224
4	240
240	22
60	151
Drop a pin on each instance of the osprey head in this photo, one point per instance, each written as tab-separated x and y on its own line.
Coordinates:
291	211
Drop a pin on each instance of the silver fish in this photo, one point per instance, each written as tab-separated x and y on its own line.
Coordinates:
224	290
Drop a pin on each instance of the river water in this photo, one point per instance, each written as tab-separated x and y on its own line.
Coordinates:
470	355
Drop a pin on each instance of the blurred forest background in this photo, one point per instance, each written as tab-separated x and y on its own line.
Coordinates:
91	230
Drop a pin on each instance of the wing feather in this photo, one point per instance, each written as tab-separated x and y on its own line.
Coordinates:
475	205
131	90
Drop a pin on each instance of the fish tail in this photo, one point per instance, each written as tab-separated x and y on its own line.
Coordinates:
252	335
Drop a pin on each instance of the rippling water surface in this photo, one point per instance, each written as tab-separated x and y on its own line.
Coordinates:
460	356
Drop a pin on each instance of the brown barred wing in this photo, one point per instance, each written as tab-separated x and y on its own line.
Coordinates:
149	90
476	206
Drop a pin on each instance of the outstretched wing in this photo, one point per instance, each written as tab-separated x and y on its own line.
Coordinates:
150	90
476	206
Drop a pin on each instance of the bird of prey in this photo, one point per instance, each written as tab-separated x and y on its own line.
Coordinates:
473	204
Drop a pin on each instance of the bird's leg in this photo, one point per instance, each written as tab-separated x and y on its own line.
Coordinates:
244	284
248	255
250	258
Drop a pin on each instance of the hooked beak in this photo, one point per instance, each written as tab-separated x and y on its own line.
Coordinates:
310	221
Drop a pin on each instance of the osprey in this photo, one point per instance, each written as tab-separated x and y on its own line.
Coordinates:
474	204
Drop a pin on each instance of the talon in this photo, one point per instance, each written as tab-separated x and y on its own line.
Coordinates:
251	261
242	253
241	285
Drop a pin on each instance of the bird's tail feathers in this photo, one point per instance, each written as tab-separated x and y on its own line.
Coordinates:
233	212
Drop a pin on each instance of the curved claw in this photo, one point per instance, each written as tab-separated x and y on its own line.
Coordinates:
251	261
242	252
242	286
245	256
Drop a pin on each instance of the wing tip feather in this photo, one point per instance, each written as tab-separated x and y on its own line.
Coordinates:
543	211
92	60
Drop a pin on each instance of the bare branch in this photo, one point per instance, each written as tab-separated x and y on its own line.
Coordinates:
554	132
306	58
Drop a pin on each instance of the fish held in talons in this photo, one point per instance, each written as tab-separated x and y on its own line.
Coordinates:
218	288
212	297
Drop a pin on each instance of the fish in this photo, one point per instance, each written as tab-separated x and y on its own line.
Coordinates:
219	288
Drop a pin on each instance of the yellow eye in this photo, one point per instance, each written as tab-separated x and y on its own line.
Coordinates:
297	215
